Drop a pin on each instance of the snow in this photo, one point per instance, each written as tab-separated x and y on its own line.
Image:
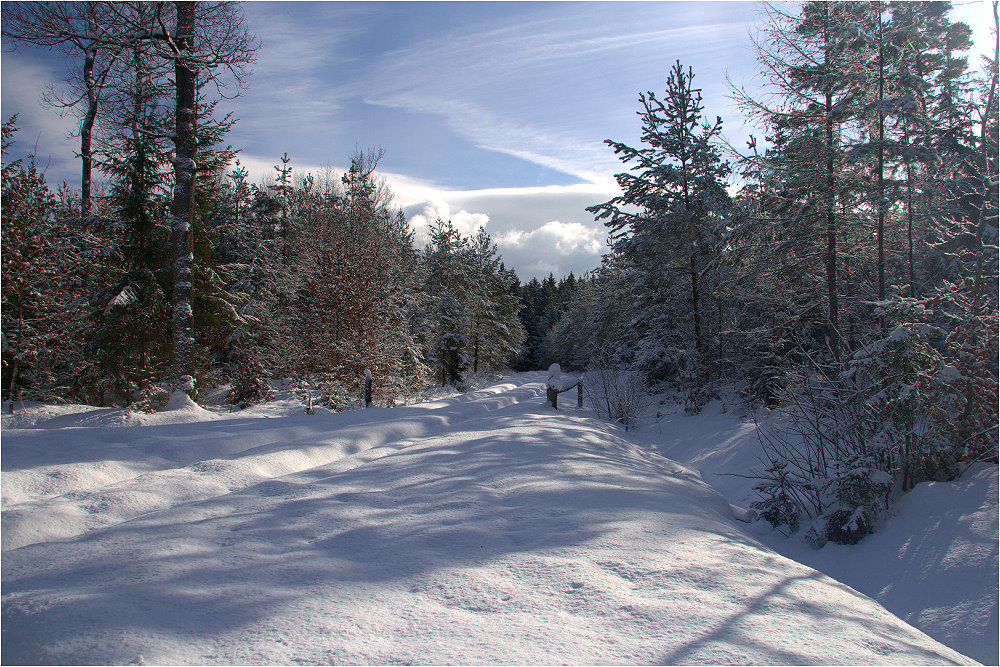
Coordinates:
480	528
939	562
560	381
934	564
900	334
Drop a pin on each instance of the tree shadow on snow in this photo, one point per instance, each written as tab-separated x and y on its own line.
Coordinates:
323	536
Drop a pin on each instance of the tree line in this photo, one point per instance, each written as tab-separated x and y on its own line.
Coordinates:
842	267
849	278
180	273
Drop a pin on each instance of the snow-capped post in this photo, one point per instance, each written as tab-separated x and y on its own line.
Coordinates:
550	391
368	388
559	382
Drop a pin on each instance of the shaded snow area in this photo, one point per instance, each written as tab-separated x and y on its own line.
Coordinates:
933	564
483	528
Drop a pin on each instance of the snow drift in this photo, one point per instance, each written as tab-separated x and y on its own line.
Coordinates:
479	529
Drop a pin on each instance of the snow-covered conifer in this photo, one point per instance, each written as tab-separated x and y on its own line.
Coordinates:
666	224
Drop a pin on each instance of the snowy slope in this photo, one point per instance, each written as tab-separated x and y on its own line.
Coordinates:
935	563
478	529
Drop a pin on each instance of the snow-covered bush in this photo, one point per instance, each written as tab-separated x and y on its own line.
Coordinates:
150	397
969	381
831	457
862	490
859	428
616	394
249	386
338	397
778	505
691	384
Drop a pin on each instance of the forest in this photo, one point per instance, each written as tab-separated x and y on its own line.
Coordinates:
842	267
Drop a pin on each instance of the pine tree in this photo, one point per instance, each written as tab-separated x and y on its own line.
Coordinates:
806	59
40	335
496	332
448	317
667	221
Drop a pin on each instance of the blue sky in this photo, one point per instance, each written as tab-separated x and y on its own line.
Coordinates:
489	113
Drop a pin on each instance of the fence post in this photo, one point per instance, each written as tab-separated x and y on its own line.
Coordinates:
553	398
579	394
368	388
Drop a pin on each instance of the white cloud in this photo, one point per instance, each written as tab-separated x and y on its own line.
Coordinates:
465	222
41	131
555	247
538	230
564	237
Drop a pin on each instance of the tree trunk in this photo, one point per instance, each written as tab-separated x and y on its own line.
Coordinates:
880	175
86	130
831	233
909	229
693	248
830	194
185	146
693	270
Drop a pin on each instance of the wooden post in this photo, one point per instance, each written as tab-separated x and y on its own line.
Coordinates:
579	394
553	398
368	388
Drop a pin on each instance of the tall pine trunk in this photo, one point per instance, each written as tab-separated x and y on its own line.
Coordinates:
829	195
880	173
831	233
182	210
692	250
86	130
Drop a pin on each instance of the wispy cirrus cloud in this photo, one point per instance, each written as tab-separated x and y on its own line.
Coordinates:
589	161
533	89
289	92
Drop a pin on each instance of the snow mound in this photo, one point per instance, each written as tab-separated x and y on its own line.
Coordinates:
58	484
180	409
935	564
482	529
560	381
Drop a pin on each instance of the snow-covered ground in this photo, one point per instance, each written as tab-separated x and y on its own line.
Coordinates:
934	564
482	528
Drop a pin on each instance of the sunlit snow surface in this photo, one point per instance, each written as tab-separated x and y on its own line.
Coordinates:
934	564
484	528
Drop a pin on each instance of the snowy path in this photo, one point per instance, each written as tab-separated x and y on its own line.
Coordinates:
480	529
95	477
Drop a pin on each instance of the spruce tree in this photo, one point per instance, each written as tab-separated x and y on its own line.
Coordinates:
496	332
41	338
448	317
667	221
